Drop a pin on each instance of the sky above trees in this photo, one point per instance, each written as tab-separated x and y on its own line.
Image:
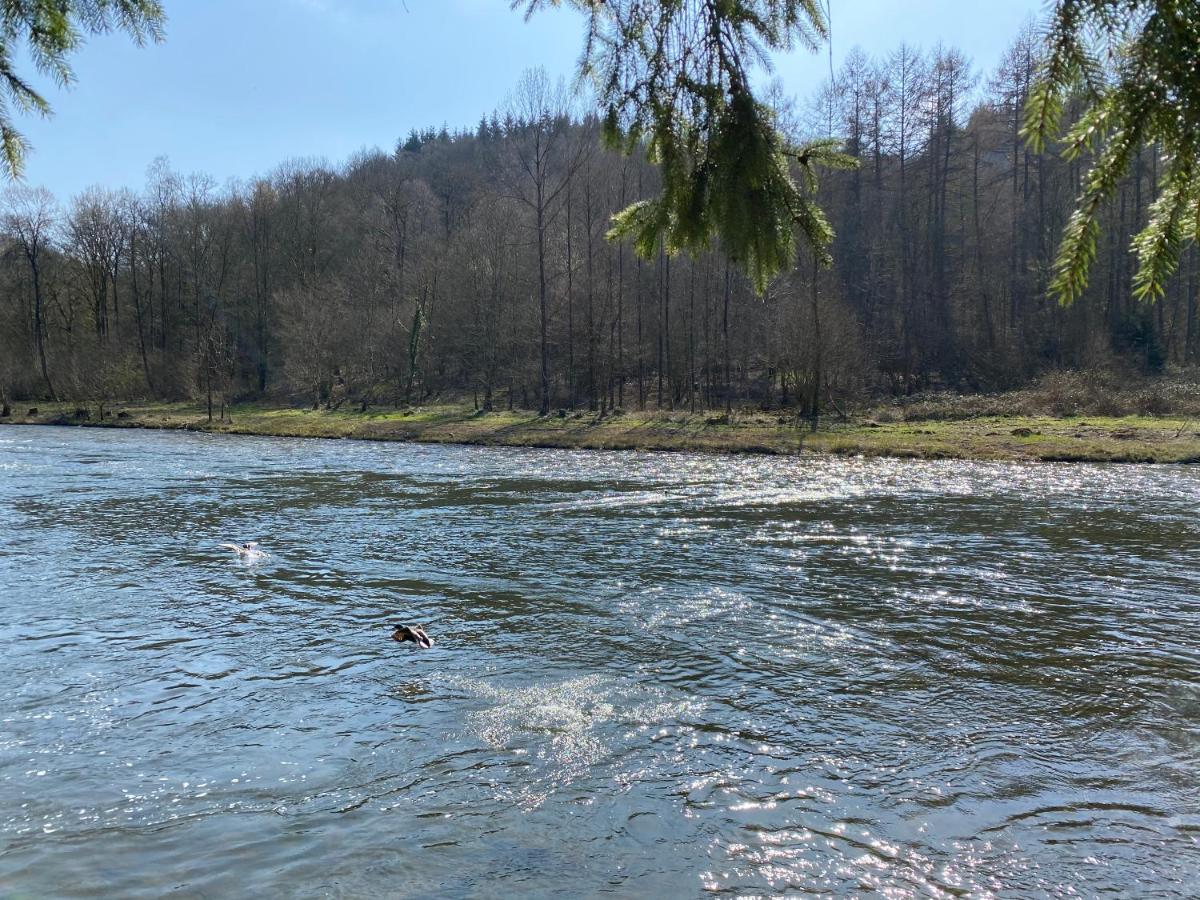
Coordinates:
239	87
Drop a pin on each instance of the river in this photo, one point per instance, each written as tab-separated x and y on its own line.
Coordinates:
654	674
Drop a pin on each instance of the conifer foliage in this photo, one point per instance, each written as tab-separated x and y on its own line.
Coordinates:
1137	65
674	77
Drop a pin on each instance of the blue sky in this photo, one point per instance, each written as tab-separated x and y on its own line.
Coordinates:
242	85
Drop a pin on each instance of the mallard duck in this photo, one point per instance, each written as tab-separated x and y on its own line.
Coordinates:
414	633
247	550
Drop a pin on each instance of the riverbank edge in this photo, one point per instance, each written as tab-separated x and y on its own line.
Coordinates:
1129	439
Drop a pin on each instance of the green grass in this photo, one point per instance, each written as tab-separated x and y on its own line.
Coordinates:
1086	438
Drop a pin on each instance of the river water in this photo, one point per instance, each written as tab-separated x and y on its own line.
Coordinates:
654	674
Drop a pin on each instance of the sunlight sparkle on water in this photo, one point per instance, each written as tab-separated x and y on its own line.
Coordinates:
751	675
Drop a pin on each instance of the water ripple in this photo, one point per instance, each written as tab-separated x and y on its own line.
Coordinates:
654	674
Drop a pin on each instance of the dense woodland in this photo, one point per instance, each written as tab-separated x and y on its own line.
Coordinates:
475	264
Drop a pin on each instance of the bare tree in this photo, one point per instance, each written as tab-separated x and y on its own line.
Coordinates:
30	217
544	159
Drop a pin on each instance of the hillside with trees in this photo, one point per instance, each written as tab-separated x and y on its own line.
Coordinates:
475	264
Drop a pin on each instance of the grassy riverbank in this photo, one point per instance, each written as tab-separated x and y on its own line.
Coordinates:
1088	438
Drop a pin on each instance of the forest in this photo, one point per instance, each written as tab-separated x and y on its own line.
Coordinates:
474	265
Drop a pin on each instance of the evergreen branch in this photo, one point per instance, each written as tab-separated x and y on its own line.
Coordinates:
51	30
1160	244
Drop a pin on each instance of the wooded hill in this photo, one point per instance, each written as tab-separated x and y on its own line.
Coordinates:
475	264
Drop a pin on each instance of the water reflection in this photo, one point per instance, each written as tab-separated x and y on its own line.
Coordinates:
659	674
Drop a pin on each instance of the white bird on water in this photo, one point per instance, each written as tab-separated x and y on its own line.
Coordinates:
246	551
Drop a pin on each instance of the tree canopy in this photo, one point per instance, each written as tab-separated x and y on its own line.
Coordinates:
675	76
51	30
